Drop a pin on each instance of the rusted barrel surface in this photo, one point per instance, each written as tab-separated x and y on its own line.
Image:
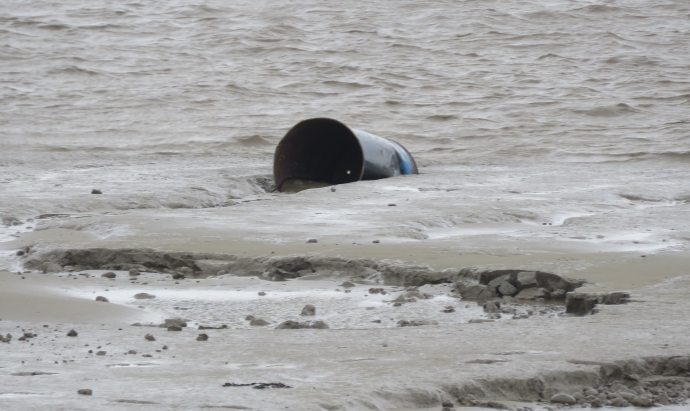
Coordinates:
324	150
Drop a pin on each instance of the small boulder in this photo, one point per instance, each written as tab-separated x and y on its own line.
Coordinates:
49	267
258	322
527	279
289	325
562	398
312	241
85	391
319	325
102	299
174	322
178	276
202	337
491	308
149	337
579	304
507	289
261	293
474	292
144	296
347	284
133	272
101	353
174	328
109	274
72	333
308	310
96	191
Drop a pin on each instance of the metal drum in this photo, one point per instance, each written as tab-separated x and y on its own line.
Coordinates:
326	152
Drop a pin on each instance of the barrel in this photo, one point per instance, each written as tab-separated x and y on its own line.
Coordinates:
327	152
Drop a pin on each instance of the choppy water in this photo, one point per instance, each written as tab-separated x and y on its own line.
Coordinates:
179	104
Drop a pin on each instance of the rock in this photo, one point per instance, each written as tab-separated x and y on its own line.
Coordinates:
347	284
132	352
102	299
641	401
289	325
96	191
579	304
109	274
178	276
474	292
619	402
615	298
308	310
174	322
449	309
377	291
258	322
526	279
530	294
261	293
249	317
144	296
49	267
491	308
101	353
662	398
312	241
563	399
72	333
553	282
416	323
149	337
186	271
202	337
496	282
319	325
507	289
133	272
480	320
174	328
85	391
376	241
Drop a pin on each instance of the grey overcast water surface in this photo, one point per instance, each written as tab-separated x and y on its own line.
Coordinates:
570	112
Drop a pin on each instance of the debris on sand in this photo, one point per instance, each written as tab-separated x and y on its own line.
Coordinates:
258	385
416	323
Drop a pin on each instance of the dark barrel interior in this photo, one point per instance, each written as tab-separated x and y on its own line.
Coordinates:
320	150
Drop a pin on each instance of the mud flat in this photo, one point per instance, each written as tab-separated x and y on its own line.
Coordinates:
398	336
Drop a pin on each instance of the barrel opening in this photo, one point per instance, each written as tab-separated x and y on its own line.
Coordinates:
321	151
